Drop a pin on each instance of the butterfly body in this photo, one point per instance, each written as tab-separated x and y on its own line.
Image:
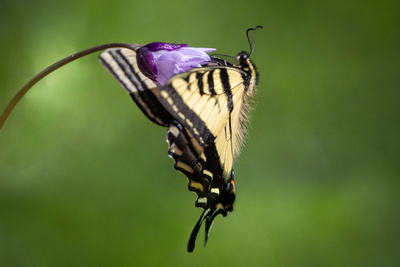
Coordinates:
206	111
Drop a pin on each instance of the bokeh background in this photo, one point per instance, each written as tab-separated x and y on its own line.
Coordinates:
85	178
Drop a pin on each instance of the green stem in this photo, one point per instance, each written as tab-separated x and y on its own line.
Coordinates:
4	115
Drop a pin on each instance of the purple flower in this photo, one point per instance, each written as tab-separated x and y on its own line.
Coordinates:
160	61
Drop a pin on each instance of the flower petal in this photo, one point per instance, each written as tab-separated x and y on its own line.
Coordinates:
156	46
146	63
160	61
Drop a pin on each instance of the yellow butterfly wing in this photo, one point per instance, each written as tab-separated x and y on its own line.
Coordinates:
208	102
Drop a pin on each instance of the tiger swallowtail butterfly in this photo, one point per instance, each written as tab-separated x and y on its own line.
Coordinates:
205	110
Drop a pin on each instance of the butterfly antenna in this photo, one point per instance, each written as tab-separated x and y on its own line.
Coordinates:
222	55
4	115
252	45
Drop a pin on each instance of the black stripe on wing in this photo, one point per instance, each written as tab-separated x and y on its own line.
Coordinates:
186	116
227	87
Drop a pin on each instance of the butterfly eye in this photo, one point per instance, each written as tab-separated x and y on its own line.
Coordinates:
242	58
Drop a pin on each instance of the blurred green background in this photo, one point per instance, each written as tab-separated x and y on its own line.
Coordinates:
85	178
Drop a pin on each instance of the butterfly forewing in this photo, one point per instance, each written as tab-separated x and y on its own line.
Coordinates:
209	112
121	63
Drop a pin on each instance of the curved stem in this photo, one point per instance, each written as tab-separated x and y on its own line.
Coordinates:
14	101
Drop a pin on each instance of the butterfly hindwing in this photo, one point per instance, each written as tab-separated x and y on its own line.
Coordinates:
205	177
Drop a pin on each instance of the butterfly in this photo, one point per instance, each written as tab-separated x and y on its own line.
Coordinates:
206	112
205	108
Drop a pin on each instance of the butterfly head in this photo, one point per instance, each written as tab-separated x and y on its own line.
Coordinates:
242	59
